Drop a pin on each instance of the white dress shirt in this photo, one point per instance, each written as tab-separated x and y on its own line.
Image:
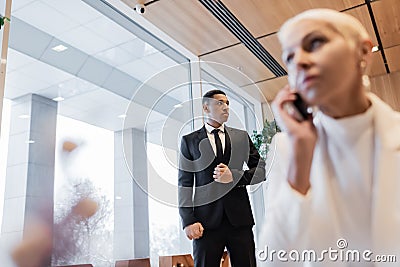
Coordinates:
221	135
350	145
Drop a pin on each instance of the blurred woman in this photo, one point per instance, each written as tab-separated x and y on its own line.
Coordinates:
334	184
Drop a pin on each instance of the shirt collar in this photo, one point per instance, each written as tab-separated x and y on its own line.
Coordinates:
209	128
347	127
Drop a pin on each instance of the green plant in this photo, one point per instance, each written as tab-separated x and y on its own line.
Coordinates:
263	139
2	20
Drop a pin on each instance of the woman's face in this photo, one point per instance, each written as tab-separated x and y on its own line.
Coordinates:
323	66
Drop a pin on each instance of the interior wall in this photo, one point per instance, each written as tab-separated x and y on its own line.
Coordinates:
387	87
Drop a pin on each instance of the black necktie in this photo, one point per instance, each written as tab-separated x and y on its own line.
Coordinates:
218	145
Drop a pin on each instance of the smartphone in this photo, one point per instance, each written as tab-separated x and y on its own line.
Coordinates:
298	108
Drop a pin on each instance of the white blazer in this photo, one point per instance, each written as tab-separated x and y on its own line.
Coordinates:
297	222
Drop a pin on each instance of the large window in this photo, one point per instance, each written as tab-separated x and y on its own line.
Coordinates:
84	168
163	137
164	219
101	75
5	131
96	63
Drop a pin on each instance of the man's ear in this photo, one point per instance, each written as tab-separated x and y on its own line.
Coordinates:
205	108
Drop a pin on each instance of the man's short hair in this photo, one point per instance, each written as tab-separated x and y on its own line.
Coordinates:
211	93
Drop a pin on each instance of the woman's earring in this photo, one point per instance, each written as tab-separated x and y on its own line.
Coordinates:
365	81
365	78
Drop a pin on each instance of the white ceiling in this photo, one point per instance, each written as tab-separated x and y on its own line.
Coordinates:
100	71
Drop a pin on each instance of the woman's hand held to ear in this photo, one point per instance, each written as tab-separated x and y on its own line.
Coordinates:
303	137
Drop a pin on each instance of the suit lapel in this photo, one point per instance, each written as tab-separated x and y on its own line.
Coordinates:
232	136
202	133
238	148
204	144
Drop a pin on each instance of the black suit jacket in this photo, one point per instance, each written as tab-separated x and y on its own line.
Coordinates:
201	199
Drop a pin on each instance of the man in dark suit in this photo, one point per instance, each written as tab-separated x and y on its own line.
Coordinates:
217	162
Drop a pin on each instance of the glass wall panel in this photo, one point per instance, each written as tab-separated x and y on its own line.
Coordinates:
164	130
5	131
106	75
5	107
107	79
84	168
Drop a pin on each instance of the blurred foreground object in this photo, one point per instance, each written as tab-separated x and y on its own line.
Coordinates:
68	146
36	247
85	208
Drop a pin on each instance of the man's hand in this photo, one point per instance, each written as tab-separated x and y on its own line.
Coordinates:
194	231
222	174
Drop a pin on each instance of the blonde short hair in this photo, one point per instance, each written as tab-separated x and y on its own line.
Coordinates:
346	25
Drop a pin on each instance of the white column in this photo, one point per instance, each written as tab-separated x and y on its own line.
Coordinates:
131	215
30	167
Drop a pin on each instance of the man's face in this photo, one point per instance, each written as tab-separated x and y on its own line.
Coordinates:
217	108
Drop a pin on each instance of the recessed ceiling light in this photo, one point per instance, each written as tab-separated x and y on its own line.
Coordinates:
29	142
178	106
58	98
122	116
375	48
118	197
24	116
60	48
